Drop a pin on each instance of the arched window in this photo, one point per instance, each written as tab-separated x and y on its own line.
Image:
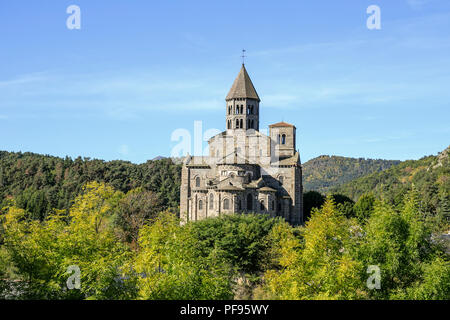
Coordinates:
283	139
279	206
241	124
239	205
242	109
200	205
248	124
281	180
211	201
197	182
229	124
263	208
278	139
229	110
252	124
273	205
237	123
249	202
226	204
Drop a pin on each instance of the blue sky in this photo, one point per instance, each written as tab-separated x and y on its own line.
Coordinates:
138	70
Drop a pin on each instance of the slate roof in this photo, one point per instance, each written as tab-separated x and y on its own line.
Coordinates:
267	189
294	160
243	87
230	188
281	124
197	161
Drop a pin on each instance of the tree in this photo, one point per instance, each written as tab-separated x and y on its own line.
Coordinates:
311	199
238	238
324	267
43	251
434	283
400	244
344	204
364	207
136	209
169	266
40	183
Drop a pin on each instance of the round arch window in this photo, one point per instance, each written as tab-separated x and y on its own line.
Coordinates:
226	204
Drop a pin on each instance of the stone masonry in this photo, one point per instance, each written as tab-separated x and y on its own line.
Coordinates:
246	171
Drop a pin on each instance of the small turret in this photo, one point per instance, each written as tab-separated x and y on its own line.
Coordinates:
282	135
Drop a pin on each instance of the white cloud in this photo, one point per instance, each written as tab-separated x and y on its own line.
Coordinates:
119	96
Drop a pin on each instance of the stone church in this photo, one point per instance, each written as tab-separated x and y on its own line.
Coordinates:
246	171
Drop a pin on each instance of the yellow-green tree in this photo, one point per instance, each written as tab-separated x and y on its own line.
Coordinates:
321	265
43	251
169	266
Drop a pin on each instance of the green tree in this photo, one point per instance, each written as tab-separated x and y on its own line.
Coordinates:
168	265
364	207
400	243
311	199
238	238
344	204
323	267
43	251
136	209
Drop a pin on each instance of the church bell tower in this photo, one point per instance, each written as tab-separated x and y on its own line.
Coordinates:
242	104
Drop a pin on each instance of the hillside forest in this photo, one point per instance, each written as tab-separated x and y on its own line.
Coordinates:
115	225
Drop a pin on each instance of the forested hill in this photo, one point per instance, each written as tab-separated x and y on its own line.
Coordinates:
41	182
324	172
429	175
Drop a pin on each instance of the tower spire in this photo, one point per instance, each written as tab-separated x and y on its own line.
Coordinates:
243	56
242	102
242	87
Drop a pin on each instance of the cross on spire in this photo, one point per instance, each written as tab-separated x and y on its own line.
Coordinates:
243	55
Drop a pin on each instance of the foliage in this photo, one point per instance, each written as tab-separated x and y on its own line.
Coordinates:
321	266
314	199
311	199
126	248
332	259
169	266
429	175
401	244
433	282
136	209
325	172
238	239
364	207
343	204
40	183
201	260
43	251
